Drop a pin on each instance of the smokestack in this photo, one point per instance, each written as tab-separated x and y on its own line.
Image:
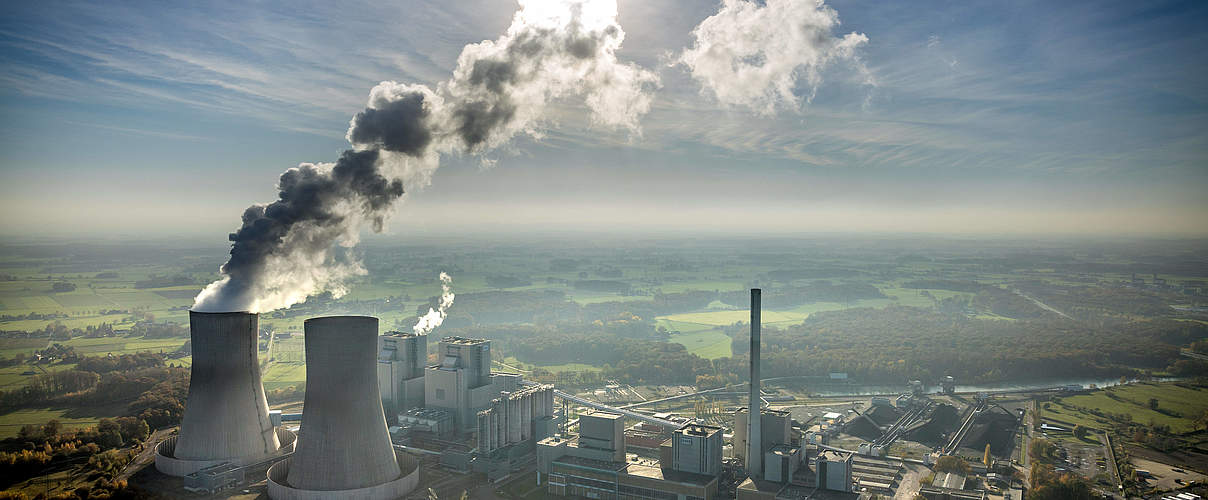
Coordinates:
226	414
344	448
754	440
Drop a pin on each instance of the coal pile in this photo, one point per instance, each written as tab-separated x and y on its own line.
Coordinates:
995	426
863	428
938	421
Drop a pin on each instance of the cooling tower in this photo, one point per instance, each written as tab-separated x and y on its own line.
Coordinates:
344	449
226	414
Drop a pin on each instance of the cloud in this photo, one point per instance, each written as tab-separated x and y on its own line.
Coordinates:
762	56
553	50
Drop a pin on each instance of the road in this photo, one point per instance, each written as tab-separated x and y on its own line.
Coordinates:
1040	304
1111	460
145	457
1194	355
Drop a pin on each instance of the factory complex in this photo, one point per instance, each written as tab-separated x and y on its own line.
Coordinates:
381	412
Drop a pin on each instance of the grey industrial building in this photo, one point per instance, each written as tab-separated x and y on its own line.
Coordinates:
595	464
226	418
400	371
697	448
461	381
344	449
517	417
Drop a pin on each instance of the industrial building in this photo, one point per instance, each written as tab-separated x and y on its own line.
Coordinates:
400	370
697	449
595	465
834	469
226	419
462	383
517	417
775	429
344	450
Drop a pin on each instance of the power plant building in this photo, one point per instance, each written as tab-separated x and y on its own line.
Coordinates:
697	449
461	381
226	419
596	466
516	417
344	450
402	358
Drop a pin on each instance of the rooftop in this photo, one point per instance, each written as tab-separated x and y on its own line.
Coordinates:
403	334
699	430
463	341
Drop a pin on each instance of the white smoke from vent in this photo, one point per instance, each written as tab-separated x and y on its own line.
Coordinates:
554	50
762	55
435	317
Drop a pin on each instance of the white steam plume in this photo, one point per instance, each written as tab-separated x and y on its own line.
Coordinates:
287	250
435	317
756	55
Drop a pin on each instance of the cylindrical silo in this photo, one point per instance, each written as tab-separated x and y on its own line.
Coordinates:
343	442
226	414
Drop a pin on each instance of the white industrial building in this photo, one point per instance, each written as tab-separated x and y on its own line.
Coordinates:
400	371
461	381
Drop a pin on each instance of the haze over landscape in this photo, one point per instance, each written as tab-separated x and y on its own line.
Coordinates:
608	249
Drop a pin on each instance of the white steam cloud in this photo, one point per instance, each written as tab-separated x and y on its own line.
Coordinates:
435	317
758	56
294	247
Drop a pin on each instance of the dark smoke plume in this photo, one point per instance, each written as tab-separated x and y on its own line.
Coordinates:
286	250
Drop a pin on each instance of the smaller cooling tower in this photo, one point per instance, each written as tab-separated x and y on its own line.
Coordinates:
226	414
344	449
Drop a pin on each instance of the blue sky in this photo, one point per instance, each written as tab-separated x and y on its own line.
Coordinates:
973	117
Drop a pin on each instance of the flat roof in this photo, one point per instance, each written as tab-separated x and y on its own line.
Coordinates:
661	474
591	463
699	430
399	334
463	341
603	414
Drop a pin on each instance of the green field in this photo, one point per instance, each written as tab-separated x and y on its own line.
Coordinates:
10	423
1187	404
284	375
708	344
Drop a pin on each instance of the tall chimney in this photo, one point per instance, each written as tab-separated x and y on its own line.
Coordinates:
754	440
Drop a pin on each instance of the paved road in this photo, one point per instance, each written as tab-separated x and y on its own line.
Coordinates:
145	457
1040	304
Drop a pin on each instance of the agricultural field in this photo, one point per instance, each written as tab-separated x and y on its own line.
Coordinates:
1178	405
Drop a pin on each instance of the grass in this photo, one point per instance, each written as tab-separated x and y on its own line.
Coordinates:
11	422
1185	403
284	375
564	367
708	344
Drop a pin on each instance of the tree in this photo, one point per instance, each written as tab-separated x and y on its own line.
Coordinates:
1080	431
986	458
1153	403
51	428
950	463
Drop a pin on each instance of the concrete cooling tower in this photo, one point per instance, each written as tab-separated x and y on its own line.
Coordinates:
226	415
344	449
